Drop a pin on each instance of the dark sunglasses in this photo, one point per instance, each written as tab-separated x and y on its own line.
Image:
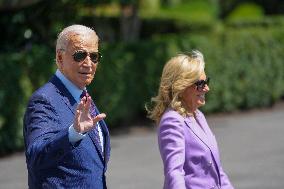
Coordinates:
79	56
200	84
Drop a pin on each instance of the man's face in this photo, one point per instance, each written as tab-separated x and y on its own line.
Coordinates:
82	72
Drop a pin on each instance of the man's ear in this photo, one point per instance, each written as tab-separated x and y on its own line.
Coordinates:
59	59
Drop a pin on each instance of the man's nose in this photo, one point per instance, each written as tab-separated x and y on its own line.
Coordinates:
87	62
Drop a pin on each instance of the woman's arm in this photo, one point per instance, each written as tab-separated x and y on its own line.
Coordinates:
172	150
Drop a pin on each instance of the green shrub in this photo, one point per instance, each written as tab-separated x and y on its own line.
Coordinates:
272	21
196	12
245	66
21	73
246	11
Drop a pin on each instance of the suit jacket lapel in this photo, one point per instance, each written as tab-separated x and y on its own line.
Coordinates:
66	96
211	137
106	137
103	155
93	137
205	135
205	138
106	141
197	130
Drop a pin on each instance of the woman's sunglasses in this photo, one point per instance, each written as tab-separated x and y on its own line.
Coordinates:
80	56
200	84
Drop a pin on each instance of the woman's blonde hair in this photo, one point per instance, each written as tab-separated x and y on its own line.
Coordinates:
178	73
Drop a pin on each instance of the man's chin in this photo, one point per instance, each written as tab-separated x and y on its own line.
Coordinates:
88	82
84	83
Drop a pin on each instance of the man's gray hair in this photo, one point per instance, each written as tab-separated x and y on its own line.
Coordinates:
63	37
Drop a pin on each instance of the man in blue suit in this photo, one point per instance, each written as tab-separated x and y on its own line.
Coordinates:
66	139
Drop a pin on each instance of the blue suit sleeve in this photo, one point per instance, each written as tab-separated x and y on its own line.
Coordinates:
46	139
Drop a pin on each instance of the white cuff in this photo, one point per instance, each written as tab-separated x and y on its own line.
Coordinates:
74	136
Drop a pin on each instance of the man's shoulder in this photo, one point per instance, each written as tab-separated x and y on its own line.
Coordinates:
47	90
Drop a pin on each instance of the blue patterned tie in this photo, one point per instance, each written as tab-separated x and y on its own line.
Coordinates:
84	93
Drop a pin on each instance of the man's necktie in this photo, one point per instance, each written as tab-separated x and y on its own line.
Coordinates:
93	114
84	93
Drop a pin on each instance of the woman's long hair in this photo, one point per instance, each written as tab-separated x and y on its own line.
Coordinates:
179	73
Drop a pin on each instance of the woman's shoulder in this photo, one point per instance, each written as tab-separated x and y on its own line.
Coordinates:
171	123
199	113
170	115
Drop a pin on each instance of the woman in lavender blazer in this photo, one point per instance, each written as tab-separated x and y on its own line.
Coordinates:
187	145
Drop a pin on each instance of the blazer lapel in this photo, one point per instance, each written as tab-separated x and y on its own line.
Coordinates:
207	138
66	96
92	135
106	141
105	156
205	134
197	130
212	140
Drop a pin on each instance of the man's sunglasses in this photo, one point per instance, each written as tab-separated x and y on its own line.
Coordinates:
200	84
80	56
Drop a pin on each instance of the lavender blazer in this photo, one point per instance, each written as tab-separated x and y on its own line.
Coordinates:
190	153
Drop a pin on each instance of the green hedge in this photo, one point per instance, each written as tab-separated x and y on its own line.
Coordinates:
21	73
246	67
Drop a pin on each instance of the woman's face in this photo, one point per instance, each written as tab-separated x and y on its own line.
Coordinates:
194	96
